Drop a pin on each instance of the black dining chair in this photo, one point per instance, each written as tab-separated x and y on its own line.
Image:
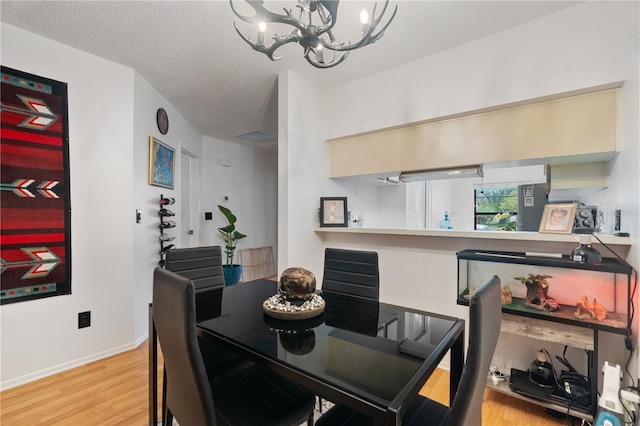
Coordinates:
353	273
240	394
485	315
202	265
350	275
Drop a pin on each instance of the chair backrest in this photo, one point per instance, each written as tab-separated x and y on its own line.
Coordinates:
203	266
189	395
485	316
351	272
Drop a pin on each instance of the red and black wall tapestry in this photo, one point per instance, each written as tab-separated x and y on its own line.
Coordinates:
35	209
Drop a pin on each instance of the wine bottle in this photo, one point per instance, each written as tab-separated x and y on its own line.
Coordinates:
166	212
167	201
166	249
167	237
168	224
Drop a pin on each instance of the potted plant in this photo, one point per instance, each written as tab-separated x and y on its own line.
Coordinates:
231	236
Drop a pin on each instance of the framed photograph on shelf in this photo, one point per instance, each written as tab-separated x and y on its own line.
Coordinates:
558	218
161	163
333	211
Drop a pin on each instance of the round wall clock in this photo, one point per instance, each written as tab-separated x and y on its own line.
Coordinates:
162	120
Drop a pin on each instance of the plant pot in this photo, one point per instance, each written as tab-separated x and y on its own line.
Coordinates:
232	274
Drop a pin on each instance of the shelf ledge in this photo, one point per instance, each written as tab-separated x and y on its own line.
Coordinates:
486	235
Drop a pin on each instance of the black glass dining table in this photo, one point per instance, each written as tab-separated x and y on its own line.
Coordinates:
372	357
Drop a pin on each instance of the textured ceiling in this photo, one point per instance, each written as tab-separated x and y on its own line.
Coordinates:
189	51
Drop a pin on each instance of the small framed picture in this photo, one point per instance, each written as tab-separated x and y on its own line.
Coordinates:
161	163
558	218
333	211
528	191
529	202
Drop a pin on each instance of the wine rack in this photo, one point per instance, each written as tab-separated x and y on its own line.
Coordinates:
165	224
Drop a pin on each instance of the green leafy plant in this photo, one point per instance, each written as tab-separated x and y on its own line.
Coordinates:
230	234
510	226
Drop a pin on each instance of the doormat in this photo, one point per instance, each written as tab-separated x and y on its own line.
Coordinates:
35	209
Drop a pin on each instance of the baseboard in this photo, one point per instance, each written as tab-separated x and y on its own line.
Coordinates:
27	378
140	340
445	365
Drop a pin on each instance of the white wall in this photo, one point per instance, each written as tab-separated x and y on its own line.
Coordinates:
587	45
250	182
41	336
303	173
112	113
181	135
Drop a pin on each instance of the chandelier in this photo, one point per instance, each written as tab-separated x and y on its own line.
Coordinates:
312	24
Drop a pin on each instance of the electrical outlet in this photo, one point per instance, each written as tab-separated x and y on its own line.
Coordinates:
84	319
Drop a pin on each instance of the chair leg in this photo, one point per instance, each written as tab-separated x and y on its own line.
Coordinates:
164	392
310	419
320	404
167	417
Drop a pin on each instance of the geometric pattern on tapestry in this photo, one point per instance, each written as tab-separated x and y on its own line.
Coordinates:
35	209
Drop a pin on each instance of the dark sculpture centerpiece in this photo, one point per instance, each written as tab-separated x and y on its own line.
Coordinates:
296	298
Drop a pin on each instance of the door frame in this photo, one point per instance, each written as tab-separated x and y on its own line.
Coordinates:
194	196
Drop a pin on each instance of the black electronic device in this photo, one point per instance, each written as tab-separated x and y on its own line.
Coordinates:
520	382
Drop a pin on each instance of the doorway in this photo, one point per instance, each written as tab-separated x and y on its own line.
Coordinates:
189	206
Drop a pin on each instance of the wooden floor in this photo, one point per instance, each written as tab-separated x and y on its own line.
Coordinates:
114	391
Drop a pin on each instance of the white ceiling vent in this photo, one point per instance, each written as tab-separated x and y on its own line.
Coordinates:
257	136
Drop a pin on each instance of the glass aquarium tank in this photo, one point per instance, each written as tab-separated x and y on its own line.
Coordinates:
559	289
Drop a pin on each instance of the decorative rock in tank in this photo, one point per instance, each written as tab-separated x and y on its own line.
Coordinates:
505	296
297	283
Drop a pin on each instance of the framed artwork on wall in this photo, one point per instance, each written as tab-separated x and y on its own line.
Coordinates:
35	204
161	163
558	218
333	211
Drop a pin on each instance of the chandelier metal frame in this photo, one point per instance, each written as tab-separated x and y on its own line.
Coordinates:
313	30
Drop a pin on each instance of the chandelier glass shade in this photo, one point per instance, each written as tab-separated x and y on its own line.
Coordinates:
313	24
